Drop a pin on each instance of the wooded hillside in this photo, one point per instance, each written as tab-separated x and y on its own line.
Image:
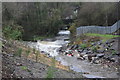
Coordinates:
37	20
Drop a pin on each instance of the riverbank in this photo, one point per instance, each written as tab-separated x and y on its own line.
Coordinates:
70	60
15	65
96	55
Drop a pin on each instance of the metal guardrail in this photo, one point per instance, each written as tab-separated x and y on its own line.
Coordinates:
98	29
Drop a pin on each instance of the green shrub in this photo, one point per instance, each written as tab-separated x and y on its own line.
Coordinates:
24	68
51	70
94	48
12	33
72	29
27	52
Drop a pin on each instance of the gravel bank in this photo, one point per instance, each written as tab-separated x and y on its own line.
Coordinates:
14	67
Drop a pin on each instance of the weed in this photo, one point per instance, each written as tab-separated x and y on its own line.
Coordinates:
19	52
33	50
94	48
113	52
23	67
83	46
27	52
51	70
37	54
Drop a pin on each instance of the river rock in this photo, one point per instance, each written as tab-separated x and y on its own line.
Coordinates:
106	48
60	49
110	57
101	51
99	42
114	58
107	42
48	55
85	56
95	60
18	64
75	46
90	52
85	50
80	50
109	45
68	52
92	44
100	55
90	56
80	58
10	55
111	40
83	53
118	54
42	51
71	47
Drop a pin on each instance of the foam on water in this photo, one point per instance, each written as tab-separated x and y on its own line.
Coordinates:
64	32
49	47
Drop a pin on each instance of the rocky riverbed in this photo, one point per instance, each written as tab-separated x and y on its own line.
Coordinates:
96	53
96	60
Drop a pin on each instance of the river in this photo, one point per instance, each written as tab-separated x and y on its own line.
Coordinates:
51	48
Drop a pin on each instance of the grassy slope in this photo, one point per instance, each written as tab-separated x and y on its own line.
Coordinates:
103	36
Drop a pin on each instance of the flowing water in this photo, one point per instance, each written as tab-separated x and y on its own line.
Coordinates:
52	48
